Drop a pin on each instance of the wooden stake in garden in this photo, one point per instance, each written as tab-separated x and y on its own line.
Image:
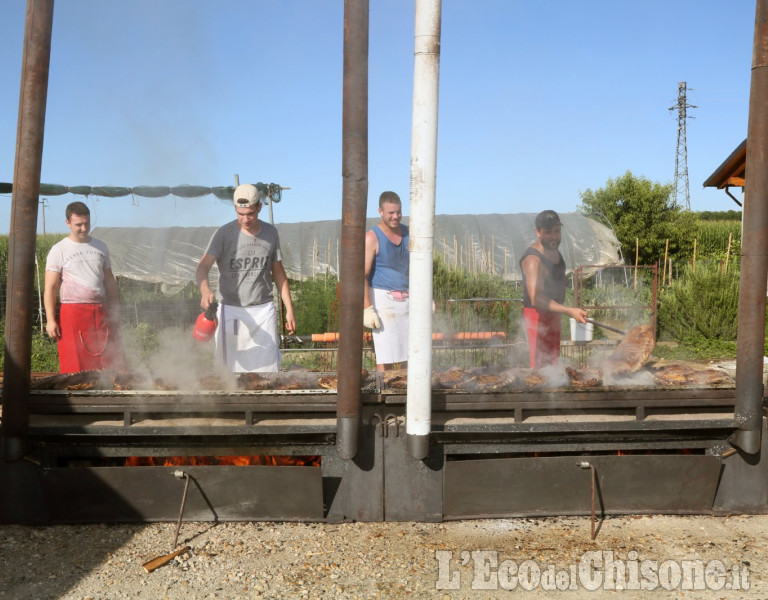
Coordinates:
728	252
315	259
493	254
637	258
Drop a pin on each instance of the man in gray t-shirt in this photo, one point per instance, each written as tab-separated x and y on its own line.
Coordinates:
245	263
247	253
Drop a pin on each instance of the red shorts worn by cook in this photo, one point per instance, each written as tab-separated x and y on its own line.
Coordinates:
543	329
87	342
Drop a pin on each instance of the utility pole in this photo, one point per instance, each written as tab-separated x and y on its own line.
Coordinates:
681	157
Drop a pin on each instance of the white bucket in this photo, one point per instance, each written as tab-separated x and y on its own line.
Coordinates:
581	332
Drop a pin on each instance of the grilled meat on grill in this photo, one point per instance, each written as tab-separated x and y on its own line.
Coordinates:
288	383
125	380
395	379
85	385
253	381
512	377
164	385
330	382
484	382
534	379
447	379
707	377
587	377
633	351
674	374
64	381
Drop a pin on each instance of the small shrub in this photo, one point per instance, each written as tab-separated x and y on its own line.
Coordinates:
701	303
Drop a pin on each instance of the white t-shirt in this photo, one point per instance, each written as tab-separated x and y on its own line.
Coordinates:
82	270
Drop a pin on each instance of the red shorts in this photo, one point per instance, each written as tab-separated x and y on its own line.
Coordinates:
543	329
87	342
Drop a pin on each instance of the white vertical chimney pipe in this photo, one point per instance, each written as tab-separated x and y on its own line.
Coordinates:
422	208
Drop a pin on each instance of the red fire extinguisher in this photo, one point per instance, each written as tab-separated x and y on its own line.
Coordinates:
205	325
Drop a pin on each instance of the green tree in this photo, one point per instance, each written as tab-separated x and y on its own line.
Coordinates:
639	209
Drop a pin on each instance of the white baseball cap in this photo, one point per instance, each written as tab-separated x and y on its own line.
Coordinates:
246	195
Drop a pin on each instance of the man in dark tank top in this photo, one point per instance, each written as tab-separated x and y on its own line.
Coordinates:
544	282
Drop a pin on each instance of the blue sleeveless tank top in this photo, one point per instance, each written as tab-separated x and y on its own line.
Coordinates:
390	265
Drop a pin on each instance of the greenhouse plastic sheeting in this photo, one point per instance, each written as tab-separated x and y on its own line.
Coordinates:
478	243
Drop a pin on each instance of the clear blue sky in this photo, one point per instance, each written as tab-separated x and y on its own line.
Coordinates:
539	101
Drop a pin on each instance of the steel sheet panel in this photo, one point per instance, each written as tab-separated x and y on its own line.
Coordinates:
223	493
557	486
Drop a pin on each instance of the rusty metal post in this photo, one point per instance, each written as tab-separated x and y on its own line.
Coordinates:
754	261
354	204
24	206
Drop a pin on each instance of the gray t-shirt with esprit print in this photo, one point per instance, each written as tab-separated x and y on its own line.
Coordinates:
245	263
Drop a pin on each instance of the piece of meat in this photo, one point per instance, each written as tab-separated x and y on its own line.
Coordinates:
534	379
211	382
485	382
582	378
448	379
512	377
288	383
164	385
674	374
85	385
398	383
253	381
707	377
65	381
329	382
633	351
395	379
125	380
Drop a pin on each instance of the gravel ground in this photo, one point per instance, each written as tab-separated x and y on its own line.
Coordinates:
452	560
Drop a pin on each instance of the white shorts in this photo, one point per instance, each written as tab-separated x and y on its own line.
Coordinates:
390	341
247	339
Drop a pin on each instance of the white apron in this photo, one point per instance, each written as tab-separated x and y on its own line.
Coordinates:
390	341
247	339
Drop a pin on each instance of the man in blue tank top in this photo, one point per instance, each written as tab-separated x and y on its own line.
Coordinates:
544	282
385	301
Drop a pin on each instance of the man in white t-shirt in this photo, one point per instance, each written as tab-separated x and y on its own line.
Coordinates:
78	270
247	253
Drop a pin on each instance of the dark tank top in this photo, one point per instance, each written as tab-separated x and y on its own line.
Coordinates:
553	286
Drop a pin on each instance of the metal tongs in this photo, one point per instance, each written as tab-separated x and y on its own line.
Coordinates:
608	327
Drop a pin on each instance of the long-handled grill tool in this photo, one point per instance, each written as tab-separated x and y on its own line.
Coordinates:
608	327
155	563
158	562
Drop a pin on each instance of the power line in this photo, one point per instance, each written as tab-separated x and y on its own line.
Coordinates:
681	157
